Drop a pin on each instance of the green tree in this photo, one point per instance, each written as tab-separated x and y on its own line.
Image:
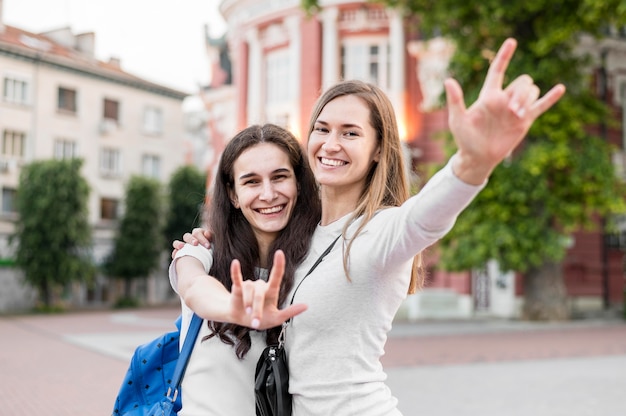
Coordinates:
138	243
562	177
52	229
186	192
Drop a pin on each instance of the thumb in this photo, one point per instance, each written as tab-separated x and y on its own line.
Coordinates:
454	98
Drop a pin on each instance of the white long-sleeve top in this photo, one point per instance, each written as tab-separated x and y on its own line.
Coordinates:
334	348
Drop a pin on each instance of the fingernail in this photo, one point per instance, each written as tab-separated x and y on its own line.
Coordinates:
248	310
520	113
206	245
255	323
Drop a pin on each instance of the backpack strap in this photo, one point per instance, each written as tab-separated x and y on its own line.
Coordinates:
183	358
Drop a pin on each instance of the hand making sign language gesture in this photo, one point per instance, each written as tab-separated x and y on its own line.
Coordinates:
254	303
489	130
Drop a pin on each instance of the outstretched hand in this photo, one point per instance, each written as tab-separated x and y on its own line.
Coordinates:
254	303
493	126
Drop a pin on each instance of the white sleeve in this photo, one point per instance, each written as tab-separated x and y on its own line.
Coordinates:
441	200
205	256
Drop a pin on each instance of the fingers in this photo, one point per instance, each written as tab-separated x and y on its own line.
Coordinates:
189	239
255	302
522	93
202	236
277	272
495	74
198	236
548	100
455	100
268	292
177	245
291	311
235	276
525	97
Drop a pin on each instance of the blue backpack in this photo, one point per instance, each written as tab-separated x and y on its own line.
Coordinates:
155	373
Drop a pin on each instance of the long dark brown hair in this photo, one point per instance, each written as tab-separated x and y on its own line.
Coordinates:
233	237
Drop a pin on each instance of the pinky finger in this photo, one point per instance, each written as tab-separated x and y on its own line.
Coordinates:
548	100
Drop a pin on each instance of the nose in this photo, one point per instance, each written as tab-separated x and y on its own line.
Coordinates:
268	193
331	144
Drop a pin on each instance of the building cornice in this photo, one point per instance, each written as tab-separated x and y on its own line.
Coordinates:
87	69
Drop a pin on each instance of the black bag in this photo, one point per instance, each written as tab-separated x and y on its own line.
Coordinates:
271	386
271	379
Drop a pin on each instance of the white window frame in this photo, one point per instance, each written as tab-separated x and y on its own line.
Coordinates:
16	89
357	59
12	140
8	207
110	162
65	149
279	94
152	120
151	166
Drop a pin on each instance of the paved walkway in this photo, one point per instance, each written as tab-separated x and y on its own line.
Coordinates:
73	364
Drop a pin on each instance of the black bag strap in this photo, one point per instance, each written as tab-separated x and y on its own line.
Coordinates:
183	358
317	262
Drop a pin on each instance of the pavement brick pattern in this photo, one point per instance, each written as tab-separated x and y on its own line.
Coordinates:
73	364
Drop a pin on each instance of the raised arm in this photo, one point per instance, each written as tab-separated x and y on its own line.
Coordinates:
249	303
493	126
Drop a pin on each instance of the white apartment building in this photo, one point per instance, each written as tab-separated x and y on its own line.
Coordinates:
58	101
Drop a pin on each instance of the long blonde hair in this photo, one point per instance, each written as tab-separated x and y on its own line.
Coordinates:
386	184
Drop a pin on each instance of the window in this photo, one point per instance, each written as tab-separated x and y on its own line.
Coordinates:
111	110
366	60
279	105
152	120
13	143
110	162
151	166
8	200
16	91
277	73
65	149
67	100
109	208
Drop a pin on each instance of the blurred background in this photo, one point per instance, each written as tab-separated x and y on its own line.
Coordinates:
113	116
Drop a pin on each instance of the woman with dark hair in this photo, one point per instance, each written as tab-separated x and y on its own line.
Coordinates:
264	199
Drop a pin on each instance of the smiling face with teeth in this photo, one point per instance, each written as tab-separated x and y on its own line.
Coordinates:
264	189
343	145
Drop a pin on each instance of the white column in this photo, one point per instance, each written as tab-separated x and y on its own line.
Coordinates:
396	74
255	72
330	47
295	58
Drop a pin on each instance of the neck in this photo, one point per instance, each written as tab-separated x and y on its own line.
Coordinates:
264	248
337	203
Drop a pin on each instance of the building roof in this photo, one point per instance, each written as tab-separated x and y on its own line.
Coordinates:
74	53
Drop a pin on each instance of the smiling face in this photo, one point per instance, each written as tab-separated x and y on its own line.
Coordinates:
343	145
264	189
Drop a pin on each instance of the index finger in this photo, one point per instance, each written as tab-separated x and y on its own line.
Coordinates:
497	68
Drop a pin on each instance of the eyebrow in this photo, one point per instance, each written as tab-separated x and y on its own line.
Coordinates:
251	174
345	125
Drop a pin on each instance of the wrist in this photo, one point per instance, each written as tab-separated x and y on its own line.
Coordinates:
470	170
